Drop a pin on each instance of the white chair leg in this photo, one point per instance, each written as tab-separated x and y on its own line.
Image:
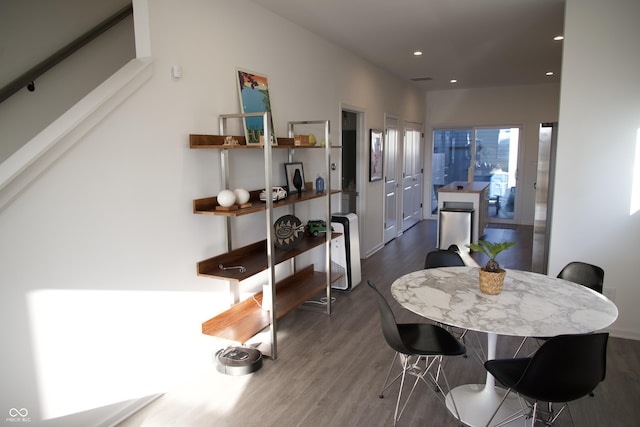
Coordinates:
554	416
446	392
405	364
533	415
415	383
519	347
498	408
421	374
386	385
478	349
570	415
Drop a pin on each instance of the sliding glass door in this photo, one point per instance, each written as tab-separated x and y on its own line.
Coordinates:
487	154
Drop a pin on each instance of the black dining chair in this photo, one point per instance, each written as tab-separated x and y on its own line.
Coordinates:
446	258
582	273
421	347
565	368
588	275
443	258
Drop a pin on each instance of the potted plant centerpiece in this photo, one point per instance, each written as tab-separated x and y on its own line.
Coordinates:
491	275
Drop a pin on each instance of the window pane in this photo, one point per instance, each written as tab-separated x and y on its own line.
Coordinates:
492	156
451	159
497	162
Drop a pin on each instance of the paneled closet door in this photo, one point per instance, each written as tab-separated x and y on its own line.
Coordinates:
392	207
412	175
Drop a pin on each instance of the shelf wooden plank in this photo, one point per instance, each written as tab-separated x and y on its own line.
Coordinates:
213	141
217	142
296	290
201	141
245	319
207	205
253	258
239	323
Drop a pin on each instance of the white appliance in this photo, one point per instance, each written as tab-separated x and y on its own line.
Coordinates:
345	251
456	227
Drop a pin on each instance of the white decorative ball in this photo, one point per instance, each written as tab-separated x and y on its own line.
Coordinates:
226	198
242	196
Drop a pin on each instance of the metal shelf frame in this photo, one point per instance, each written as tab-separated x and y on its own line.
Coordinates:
268	172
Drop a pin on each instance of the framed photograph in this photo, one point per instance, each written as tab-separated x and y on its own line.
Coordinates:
375	155
295	177
253	89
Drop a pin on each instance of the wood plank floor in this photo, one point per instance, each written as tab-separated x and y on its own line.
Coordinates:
330	368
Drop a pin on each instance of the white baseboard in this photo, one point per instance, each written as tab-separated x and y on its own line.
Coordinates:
128	410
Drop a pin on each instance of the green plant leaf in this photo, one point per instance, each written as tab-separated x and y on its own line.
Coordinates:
490	249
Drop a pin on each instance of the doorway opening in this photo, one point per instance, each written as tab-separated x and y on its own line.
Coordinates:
349	176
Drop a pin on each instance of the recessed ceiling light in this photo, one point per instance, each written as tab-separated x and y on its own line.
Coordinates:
549	73
453	81
558	38
417	53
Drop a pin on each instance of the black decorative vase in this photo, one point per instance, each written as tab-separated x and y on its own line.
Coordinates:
297	181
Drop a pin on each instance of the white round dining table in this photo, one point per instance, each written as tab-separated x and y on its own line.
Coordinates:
530	304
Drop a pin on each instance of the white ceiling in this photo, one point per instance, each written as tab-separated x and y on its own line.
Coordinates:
481	43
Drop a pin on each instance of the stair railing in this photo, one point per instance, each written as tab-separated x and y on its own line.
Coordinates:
28	78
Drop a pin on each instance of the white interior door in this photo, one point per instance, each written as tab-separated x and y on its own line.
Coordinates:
412	176
391	181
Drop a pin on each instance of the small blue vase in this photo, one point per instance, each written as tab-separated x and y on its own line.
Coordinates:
319	184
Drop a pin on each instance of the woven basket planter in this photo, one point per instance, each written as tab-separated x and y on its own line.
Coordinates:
491	283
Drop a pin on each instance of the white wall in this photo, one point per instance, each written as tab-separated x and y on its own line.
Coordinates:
100	300
525	106
25	114
597	144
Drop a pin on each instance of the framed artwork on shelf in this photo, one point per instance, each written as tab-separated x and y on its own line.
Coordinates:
253	89
295	177
375	155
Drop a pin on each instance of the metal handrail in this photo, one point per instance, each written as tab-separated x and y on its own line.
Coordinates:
53	60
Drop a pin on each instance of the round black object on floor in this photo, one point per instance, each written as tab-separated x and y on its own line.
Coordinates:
238	360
